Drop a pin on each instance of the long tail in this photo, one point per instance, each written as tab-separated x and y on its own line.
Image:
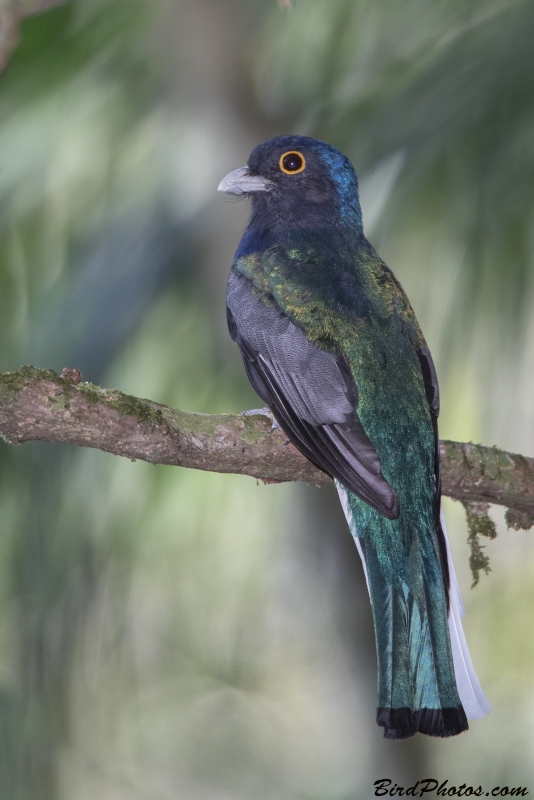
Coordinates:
420	686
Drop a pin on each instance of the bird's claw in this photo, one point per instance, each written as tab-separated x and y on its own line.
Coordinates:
264	412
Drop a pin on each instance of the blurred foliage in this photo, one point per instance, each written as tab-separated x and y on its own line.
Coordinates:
440	93
166	633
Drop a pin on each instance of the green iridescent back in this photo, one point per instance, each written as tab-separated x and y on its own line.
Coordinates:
374	326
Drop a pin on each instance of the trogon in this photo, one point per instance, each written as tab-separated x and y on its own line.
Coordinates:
332	346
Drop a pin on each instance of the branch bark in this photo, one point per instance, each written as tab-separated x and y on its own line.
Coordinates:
38	405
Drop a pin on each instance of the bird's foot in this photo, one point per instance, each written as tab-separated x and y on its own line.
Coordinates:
264	412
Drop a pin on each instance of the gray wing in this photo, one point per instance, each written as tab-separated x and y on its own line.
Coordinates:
311	393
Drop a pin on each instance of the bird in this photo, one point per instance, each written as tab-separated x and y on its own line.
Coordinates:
330	343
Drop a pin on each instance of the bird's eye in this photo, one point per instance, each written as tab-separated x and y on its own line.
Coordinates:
292	162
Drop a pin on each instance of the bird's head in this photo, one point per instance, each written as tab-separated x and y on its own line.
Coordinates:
297	182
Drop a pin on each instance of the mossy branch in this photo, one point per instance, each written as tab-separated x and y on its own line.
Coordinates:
39	405
479	523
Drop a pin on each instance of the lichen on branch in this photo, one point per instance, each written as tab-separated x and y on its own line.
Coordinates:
479	523
39	405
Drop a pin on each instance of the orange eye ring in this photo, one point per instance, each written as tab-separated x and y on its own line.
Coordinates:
292	162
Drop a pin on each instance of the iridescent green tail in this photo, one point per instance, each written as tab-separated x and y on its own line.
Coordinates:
417	689
416	682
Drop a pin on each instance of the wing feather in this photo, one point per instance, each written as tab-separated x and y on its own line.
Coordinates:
311	393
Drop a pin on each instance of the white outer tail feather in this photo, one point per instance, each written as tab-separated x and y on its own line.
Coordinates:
473	698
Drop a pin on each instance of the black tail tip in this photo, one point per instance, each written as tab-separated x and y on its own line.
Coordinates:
402	723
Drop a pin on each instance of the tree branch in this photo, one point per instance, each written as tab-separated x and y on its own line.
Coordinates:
38	405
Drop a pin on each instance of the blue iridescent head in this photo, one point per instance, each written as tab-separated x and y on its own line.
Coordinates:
296	182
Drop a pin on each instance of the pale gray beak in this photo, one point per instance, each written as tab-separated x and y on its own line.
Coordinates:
240	182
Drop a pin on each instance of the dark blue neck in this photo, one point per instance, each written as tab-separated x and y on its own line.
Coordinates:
259	237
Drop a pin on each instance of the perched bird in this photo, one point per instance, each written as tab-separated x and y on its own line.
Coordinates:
332	346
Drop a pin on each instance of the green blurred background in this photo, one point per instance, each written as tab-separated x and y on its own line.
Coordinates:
167	633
